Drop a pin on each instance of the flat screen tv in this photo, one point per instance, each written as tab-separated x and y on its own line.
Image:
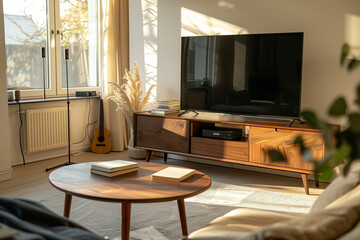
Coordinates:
251	74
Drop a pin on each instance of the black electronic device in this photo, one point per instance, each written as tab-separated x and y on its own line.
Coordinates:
222	133
247	74
85	93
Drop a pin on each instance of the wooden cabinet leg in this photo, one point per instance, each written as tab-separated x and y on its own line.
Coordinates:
182	213
165	157
316	177
67	205
148	155
305	183
125	221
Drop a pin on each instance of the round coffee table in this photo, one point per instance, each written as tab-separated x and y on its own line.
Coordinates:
135	187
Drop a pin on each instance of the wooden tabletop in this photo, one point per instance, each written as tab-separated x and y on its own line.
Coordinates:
135	187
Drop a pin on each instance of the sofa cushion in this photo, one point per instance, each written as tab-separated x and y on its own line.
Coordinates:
238	224
329	223
353	234
339	187
347	199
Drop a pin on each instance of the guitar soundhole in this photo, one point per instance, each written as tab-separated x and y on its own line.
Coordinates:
101	139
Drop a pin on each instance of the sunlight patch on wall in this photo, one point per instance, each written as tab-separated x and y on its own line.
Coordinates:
150	29
226	4
195	23
352	33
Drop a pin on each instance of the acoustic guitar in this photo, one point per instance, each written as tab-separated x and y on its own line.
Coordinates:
101	142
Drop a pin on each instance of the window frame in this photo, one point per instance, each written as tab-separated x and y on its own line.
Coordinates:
53	55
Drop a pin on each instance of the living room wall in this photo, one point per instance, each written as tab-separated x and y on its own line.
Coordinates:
156	27
5	162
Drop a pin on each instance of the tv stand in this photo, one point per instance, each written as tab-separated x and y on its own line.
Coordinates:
296	119
186	111
183	136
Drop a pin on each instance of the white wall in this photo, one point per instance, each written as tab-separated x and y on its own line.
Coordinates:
157	25
5	163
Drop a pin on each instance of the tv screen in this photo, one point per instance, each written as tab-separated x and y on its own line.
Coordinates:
252	74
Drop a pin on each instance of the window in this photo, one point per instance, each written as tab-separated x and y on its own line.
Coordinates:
31	25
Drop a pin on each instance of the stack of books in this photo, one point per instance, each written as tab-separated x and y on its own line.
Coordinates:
167	106
173	174
113	168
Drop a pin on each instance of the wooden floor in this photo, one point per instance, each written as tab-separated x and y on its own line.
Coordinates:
30	181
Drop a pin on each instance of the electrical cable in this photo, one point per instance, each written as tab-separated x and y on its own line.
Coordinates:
20	135
87	130
87	125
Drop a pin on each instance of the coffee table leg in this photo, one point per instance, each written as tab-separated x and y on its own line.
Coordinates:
67	205
125	218
181	206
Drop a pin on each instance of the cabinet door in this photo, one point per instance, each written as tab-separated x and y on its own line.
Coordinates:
263	139
234	150
162	133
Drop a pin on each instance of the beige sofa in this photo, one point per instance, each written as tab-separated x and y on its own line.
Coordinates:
334	215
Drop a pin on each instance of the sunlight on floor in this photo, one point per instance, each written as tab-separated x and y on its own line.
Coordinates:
224	194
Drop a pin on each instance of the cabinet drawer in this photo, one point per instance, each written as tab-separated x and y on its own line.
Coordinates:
235	150
263	139
162	133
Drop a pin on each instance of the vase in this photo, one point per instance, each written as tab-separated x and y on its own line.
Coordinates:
135	153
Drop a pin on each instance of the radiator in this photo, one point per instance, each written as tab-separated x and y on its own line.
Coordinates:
46	129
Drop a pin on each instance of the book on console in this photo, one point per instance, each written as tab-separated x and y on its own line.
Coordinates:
114	165
173	174
114	174
168	102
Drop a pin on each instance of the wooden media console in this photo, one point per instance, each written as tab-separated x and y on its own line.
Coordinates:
182	136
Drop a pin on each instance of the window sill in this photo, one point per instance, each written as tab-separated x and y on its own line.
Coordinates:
26	101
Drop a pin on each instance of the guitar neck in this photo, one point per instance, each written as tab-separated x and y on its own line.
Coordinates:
101	123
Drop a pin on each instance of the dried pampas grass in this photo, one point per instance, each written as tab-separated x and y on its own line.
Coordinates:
128	96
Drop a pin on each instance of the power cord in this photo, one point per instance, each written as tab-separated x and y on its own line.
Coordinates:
87	125
20	134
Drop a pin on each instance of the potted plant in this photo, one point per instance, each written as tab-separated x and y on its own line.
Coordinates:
129	99
347	148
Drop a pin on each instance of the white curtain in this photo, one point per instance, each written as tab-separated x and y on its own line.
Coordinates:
114	28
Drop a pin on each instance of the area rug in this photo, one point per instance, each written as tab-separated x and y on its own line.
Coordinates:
161	220
148	233
237	196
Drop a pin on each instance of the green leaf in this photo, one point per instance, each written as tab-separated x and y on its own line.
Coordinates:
346	167
353	64
310	118
299	142
357	101
344	52
307	155
325	172
354	119
327	135
338	107
342	152
276	156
